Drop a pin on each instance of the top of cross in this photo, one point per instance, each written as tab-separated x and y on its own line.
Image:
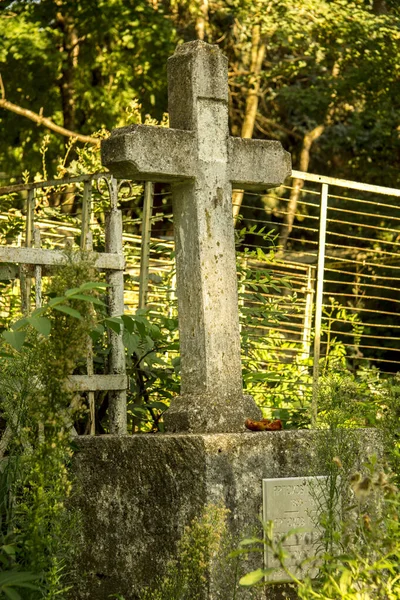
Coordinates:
197	100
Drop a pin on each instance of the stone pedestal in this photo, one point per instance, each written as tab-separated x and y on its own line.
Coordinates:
136	494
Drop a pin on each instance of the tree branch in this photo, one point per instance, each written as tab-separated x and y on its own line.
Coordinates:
40	120
298	184
258	49
309	138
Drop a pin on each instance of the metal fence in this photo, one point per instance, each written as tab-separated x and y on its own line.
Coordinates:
25	263
341	256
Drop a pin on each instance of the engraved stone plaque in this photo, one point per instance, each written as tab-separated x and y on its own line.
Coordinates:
293	503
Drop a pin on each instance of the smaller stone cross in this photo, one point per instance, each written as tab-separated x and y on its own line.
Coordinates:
202	162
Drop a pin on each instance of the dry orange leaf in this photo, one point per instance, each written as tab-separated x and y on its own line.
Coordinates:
263	425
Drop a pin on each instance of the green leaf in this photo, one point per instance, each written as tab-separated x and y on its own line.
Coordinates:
56	300
86	298
16	339
159	405
250	541
94	285
139	411
8	549
38	312
131	342
155	332
171	324
97	332
345	582
17	579
114	323
41	324
253	577
10	593
129	323
19	324
73	291
68	311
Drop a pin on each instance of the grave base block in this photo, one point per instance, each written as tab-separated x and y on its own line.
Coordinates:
135	494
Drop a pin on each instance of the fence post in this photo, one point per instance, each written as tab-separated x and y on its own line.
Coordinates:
38	270
88	239
115	279
86	213
87	244
308	313
241	291
25	280
319	298
145	246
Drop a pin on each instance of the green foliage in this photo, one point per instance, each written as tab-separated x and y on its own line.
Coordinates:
39	409
363	562
328	63
9	580
334	316
266	303
106	54
367	399
17	336
153	370
152	364
357	555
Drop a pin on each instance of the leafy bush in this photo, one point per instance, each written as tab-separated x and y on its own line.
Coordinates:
38	354
366	563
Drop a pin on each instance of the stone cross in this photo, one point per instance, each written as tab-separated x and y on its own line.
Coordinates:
202	163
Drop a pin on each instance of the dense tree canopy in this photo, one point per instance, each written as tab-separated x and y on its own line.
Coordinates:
322	76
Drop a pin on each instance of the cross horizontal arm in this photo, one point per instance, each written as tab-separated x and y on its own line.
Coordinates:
257	164
150	153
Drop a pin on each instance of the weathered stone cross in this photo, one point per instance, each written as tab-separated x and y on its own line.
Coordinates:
202	162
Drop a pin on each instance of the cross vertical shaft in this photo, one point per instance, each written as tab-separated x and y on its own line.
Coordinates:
204	236
211	375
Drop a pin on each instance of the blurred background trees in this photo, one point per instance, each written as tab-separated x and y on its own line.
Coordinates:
322	76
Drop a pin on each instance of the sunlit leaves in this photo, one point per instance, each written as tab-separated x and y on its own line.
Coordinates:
40	319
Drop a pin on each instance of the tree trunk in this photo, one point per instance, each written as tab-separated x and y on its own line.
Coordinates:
257	56
70	47
202	20
379	7
304	162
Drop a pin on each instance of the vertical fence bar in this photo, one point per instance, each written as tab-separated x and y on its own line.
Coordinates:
242	290
319	297
145	246
25	280
115	279
86	213
87	244
38	271
308	313
38	303
30	216
89	356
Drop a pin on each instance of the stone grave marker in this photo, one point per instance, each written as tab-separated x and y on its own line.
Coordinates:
138	493
293	503
202	162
